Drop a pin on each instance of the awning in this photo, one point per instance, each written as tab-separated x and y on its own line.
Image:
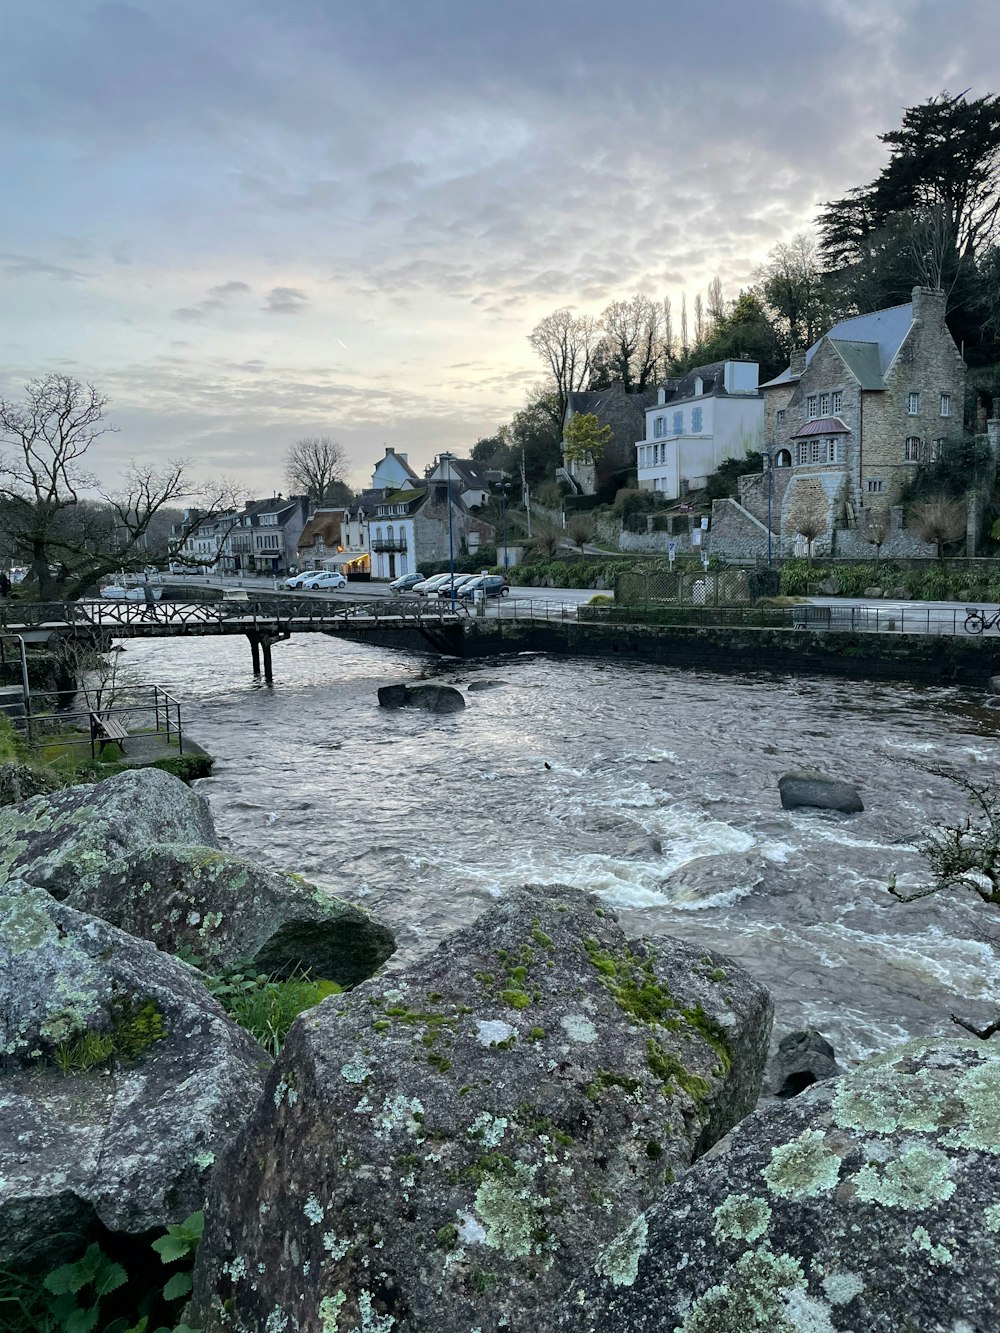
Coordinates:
823	426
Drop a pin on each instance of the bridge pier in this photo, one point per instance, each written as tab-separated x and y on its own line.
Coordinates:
260	649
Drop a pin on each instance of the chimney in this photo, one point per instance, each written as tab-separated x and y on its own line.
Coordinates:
928	305
402	456
797	364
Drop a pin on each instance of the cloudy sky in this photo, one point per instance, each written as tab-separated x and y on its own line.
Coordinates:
251	220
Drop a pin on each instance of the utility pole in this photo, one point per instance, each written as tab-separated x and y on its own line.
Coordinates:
525	492
446	459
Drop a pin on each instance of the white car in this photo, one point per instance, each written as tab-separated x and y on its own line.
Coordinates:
117	592
297	580
323	580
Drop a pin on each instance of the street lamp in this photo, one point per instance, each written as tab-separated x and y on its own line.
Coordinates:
446	459
504	498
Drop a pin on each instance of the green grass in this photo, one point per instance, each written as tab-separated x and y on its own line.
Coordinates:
267	1006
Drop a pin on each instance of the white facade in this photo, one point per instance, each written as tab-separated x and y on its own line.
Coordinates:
392	540
688	438
393	472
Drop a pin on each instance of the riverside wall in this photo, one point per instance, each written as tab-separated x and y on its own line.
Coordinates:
916	658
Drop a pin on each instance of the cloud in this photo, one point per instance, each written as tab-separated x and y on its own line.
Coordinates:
285	301
28	266
218	298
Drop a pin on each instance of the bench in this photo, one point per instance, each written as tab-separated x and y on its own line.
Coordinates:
106	730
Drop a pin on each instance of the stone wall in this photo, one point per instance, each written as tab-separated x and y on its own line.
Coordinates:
753	493
849	543
737	535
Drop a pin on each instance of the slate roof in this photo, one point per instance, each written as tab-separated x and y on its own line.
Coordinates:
868	345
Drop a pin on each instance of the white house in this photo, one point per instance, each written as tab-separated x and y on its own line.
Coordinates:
712	413
468	482
393	473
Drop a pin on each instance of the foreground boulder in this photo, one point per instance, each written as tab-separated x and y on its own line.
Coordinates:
122	1080
869	1203
64	841
808	787
446	1148
802	1058
222	908
432	698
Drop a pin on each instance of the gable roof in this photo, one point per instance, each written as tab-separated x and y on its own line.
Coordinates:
391	453
868	345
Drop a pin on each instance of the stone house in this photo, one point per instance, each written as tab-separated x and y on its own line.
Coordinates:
712	413
855	415
625	414
336	537
411	527
260	538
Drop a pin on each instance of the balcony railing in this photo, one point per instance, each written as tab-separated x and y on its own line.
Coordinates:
388	543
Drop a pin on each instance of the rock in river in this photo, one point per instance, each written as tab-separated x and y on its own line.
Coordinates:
444	1148
871	1202
809	787
65	840
432	698
802	1058
223	908
122	1080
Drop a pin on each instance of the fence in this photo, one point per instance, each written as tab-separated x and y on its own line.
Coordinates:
111	716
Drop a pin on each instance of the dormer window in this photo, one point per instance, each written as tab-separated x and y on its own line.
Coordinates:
699	386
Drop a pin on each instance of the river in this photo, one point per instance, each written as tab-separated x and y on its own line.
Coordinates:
654	788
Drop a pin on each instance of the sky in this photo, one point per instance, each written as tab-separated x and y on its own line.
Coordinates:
249	221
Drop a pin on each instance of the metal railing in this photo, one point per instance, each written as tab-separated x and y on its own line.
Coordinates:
140	709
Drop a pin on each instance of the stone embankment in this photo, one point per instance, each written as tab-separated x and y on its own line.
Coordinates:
543	1125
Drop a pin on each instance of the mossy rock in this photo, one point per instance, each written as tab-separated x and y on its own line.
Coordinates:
871	1201
446	1147
122	1080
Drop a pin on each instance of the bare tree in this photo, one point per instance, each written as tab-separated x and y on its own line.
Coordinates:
875	528
795	291
632	330
938	520
933	246
313	465
667	339
566	343
716	303
685	345
699	320
546	538
580	530
809	512
67	540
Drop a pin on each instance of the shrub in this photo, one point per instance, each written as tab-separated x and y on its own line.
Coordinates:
266	1006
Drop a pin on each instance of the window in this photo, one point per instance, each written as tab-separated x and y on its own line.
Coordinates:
814	451
946	404
937	450
657	428
824	404
837	402
811	407
656	453
912	449
875	486
678	423
802	452
779	417
696	421
913	404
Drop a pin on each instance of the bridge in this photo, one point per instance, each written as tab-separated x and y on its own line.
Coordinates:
264	621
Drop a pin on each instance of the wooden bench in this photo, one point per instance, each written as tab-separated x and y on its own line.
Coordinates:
106	730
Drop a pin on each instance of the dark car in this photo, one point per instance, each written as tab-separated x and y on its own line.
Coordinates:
406	582
492	585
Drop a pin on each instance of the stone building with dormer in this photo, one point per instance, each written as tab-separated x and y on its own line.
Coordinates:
855	415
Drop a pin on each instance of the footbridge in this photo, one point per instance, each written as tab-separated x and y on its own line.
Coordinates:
264	622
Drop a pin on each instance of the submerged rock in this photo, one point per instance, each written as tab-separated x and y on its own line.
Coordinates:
802	1058
868	1203
432	698
809	787
64	841
122	1080
222	908
447	1147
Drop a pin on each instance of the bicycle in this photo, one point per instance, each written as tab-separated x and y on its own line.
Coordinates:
977	622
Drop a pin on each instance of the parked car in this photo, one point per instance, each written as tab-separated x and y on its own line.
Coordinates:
323	580
444	590
493	585
118	592
429	585
406	582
